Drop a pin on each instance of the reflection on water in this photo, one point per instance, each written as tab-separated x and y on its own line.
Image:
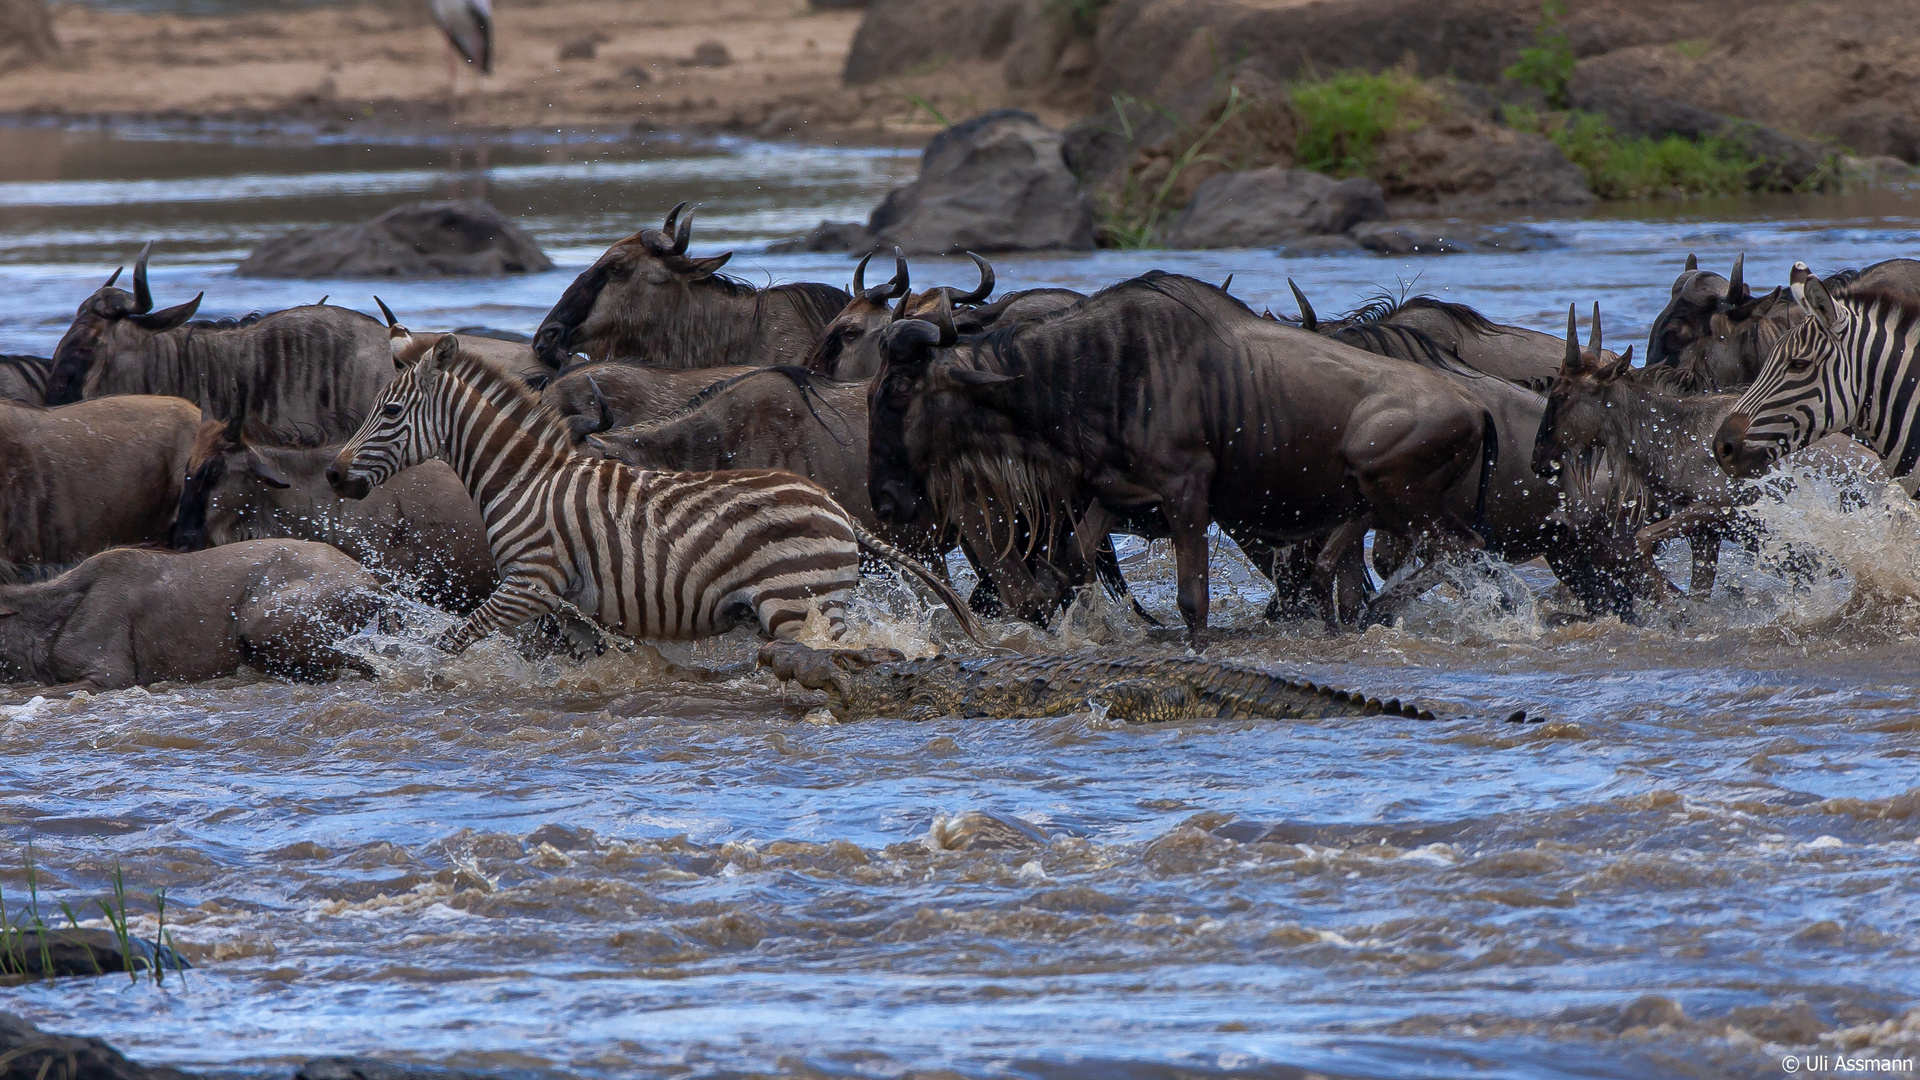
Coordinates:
1700	860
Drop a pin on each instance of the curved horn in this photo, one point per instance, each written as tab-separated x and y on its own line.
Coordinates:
599	402
1736	281
1571	365
1227	284
672	216
171	317
142	296
1692	262
943	318
1308	320
860	273
682	234
981	291
388	312
1593	338
115	277
900	309
902	282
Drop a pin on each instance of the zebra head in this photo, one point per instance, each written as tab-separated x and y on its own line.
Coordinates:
1801	394
403	429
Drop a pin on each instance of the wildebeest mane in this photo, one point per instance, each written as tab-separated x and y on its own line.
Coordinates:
1384	308
227	322
817	302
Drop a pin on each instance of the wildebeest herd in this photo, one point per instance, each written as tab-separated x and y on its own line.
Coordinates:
675	451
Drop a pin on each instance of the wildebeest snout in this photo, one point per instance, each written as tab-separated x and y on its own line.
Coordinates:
345	484
893	502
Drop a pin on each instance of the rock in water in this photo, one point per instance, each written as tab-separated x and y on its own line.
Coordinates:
29	1052
84	952
997	182
468	238
1268	207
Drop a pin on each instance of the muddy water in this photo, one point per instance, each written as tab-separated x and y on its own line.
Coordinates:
655	864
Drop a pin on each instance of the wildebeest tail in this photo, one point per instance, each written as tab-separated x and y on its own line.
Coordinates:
1489	458
875	546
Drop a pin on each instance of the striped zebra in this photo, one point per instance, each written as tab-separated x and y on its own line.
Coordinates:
1849	366
653	554
24	378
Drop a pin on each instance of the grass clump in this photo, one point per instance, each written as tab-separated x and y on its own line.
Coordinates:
1548	65
25	935
1643	168
1343	120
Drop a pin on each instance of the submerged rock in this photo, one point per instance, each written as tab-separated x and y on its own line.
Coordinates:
1449	238
1267	207
84	952
466	238
28	1052
979	830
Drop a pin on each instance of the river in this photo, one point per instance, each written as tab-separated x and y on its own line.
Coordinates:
1699	862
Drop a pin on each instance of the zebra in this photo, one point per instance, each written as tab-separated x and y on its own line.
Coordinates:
1849	366
654	554
24	378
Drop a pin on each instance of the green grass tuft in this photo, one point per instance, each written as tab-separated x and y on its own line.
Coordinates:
1548	65
1343	120
1641	168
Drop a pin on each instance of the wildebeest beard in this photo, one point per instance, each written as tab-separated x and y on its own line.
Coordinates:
1014	493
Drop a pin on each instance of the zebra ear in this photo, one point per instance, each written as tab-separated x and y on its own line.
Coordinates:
1821	308
437	357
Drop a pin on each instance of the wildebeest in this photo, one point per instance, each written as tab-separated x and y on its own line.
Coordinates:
629	393
419	531
1662	439
86	477
131	616
307	371
1514	353
24	378
1714	333
1850	366
645	301
1165	395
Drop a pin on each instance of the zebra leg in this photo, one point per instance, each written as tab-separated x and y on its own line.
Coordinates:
520	597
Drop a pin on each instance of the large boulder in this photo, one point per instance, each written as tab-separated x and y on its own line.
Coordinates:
26	33
1274	207
899	35
468	238
997	182
30	1052
1457	163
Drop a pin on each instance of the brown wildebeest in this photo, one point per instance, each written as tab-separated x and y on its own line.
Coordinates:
131	616
310	372
1165	394
420	531
23	379
1661	440
645	301
629	393
1514	353
1714	333
86	477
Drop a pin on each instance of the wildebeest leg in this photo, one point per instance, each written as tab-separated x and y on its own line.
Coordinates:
1333	554
1014	583
1706	562
521	596
1692	522
1185	505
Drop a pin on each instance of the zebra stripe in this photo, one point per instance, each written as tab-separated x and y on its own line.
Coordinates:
1852	370
655	554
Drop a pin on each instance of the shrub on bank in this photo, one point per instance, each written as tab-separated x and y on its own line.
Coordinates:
1619	167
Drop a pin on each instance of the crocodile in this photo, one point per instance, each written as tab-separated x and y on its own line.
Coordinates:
870	683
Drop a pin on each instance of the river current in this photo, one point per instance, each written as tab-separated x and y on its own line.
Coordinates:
656	863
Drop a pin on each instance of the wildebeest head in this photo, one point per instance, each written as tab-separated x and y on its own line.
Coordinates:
1571	422
222	471
1697	294
109	311
849	346
607	303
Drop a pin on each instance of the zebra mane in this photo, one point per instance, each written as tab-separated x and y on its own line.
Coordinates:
505	391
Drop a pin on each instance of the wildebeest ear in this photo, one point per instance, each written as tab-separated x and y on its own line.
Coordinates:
1619	367
695	269
260	467
1693	262
975	379
168	318
908	341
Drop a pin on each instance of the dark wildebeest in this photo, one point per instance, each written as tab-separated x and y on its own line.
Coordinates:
307	371
644	301
420	531
24	378
1163	395
86	477
131	616
1514	353
1661	440
1714	333
849	348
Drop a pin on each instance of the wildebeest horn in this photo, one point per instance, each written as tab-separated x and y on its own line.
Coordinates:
599	402
981	291
168	318
115	277
900	309
943	318
142	296
860	273
673	215
1736	281
1692	262
1227	284
898	285
1571	365
388	312
682	234
1593	338
1308	320
323	300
